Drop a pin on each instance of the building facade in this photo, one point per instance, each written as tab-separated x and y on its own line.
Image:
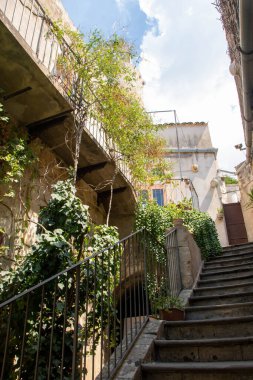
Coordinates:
193	161
237	19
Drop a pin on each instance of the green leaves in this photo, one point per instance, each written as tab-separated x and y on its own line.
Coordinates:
157	219
65	236
98	74
15	153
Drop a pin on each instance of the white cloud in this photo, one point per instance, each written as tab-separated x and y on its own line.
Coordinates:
185	67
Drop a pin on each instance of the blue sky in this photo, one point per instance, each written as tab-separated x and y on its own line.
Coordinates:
183	61
109	16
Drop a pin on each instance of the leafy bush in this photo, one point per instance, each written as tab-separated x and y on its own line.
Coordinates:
156	219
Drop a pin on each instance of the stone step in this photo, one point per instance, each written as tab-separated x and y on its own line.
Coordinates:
230	255
227	267
228	298
233	280
207	350
209	328
236	252
222	290
226	274
227	370
215	311
228	264
223	261
237	247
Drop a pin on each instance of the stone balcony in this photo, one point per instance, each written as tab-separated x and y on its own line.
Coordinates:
37	97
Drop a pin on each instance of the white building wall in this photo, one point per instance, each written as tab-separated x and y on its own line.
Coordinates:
194	157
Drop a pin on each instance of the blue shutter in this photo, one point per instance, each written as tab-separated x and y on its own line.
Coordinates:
158	196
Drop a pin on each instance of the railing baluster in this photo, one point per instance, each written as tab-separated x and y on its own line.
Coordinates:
109	315
102	318
125	295
6	6
134	282
28	22
130	287
6	342
121	279
139	258
21	18
114	306
24	336
52	333
145	275
86	315
39	38
75	340
34	29
14	11
64	327
93	319
143	283
39	337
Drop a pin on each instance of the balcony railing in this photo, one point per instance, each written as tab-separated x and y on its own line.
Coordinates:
82	322
34	26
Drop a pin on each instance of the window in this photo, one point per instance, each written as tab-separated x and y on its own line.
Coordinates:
158	196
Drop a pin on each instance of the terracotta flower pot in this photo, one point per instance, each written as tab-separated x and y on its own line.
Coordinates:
172	314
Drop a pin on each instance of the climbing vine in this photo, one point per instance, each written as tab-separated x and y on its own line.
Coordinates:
15	154
65	236
102	83
156	219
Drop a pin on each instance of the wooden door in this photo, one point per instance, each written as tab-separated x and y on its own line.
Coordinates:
235	223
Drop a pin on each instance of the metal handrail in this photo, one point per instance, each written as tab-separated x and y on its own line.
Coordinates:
72	319
36	28
173	263
72	267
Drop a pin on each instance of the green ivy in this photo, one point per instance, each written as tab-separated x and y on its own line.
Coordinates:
15	153
156	219
65	235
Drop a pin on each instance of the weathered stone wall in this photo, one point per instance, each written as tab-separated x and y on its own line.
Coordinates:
19	215
245	176
197	162
189	257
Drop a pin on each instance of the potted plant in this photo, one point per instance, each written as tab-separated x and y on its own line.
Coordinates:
170	308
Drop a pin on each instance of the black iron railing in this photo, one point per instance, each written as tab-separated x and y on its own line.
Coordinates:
174	274
81	323
33	24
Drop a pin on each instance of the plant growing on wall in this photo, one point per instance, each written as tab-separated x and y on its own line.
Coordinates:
249	204
100	80
65	235
15	154
230	180
156	219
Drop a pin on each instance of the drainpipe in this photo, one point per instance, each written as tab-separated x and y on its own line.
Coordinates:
246	50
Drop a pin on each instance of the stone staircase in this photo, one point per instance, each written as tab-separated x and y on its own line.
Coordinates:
216	340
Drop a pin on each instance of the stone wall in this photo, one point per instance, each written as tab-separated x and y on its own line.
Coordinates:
189	257
19	215
245	176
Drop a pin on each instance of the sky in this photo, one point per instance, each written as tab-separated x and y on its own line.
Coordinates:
183	61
